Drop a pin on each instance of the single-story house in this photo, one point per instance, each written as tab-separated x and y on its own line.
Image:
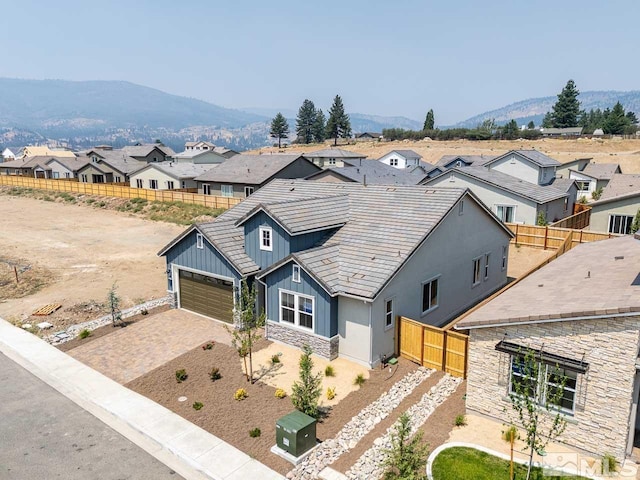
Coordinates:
335	263
168	175
38	151
529	165
43	167
148	152
332	157
562	132
244	174
368	136
368	172
618	205
581	315
513	200
426	169
401	159
108	166
204	146
198	157
451	161
592	177
64	167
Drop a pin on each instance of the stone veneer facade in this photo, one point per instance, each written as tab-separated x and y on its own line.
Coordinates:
604	394
322	346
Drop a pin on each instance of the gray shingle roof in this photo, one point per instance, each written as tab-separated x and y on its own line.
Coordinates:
563	184
405	153
534	156
620	185
568	286
376	173
384	226
562	131
471	159
333	153
502	181
189	154
146	149
601	171
248	169
180	171
119	160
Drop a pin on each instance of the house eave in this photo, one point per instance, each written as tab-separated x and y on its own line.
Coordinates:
505	323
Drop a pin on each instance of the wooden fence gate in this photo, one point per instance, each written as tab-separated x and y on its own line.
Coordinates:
433	347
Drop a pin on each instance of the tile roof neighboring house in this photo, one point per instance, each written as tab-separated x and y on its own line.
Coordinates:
601	171
190	154
374	233
199	142
180	171
563	184
73	164
118	160
522	188
372	172
592	279
248	169
569	131
369	134
146	149
425	168
404	153
333	153
33	151
468	159
225	152
37	161
621	185
534	156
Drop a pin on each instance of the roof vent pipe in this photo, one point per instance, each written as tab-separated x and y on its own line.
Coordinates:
364	180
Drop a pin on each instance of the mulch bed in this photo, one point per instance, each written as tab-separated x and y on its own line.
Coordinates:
230	419
107	329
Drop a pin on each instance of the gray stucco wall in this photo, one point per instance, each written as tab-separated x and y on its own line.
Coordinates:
600	213
353	330
60	169
282	243
516	166
555	210
603	395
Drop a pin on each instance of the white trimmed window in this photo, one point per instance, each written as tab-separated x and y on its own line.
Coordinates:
429	295
295	273
296	309
139	183
206	189
388	314
153	184
505	252
620	224
117	179
583	185
506	213
67	175
55	174
170	185
486	266
476	271
84	178
199	240
226	190
248	191
266	239
183	184
393	162
332	161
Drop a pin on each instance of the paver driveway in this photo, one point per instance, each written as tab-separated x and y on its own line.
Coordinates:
130	352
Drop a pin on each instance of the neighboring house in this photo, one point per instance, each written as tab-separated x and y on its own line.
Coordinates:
148	152
451	161
7	155
32	151
368	172
401	159
562	132
244	174
580	314
108	166
43	167
208	146
368	136
598	132
64	167
529	165
335	263
198	156
332	157
426	169
592	177
618	205
577	165
512	199
168	175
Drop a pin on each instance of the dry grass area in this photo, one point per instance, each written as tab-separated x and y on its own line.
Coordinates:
522	259
624	152
30	278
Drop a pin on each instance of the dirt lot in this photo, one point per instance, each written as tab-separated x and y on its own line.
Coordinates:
624	152
81	252
522	259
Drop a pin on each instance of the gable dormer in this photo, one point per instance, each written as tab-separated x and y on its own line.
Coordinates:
274	231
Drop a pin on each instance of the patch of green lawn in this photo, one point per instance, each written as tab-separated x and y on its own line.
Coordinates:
461	463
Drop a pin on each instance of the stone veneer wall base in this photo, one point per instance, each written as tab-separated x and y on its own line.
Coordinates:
322	346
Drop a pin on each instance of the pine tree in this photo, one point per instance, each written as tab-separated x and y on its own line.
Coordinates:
510	130
113	301
319	126
305	121
429	122
306	392
616	121
547	121
407	457
566	110
633	119
531	125
338	125
279	128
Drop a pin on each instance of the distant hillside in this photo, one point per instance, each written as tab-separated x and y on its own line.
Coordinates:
535	108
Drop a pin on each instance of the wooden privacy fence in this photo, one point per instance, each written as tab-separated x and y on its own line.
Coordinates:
120	190
577	221
433	347
552	237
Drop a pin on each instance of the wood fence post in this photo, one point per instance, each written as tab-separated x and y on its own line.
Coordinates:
422	348
444	351
546	236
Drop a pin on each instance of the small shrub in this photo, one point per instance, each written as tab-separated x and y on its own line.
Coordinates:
254	432
331	393
144	311
197	405
240	394
47	198
84	333
208	345
461	420
90	200
329	371
101	204
597	193
215	374
359	380
609	464
280	393
275	359
181	375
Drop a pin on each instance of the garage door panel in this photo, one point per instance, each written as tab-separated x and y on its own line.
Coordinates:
206	295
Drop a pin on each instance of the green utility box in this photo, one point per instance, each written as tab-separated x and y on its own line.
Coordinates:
296	433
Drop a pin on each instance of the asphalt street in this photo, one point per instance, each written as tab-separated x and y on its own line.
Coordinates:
44	435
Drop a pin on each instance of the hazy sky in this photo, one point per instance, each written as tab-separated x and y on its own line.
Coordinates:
397	57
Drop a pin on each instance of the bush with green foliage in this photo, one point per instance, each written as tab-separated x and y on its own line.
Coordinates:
460	421
541	219
275	359
181	375
197	405
329	371
84	333
359	380
597	193
635	226
214	374
307	391
254	432
608	464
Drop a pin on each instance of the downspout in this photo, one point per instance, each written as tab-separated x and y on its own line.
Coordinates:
370	336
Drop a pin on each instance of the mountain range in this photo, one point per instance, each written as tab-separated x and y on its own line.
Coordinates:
81	114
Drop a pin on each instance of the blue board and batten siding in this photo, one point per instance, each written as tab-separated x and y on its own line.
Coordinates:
282	243
186	254
326	307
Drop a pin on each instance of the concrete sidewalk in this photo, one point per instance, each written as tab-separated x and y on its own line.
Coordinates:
179	444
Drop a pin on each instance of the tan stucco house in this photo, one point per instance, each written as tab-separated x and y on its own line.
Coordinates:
618	205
